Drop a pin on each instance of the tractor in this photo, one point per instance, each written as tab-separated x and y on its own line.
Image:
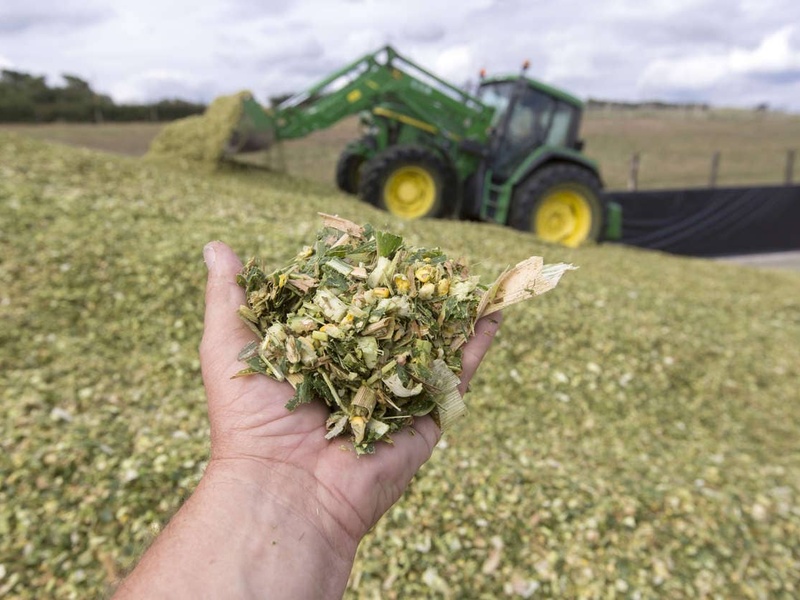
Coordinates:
508	153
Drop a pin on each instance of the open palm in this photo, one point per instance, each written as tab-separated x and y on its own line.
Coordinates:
252	432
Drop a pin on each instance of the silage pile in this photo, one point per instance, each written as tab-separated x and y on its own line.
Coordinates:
199	140
633	434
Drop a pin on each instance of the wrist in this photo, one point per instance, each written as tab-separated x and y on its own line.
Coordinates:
240	535
284	508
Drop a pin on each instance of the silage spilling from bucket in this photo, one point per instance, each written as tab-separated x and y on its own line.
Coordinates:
199	140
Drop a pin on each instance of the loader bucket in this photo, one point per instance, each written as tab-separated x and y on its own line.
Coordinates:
253	133
228	126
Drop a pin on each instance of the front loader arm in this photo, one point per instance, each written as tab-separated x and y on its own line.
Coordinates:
383	83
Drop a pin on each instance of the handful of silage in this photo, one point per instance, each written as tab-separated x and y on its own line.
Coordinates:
374	328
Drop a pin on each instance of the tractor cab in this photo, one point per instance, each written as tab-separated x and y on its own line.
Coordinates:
528	115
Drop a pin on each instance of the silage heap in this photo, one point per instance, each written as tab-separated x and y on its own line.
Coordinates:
199	141
632	434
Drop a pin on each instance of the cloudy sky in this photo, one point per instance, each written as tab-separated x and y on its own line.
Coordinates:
726	52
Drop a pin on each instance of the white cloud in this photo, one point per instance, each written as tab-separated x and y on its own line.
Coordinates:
775	54
622	49
158	84
5	63
455	64
19	17
424	32
683	73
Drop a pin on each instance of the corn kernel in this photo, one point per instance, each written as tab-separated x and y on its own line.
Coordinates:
424	273
401	284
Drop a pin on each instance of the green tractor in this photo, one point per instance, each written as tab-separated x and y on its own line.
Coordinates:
508	154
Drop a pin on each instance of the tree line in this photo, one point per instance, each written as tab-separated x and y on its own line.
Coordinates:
29	98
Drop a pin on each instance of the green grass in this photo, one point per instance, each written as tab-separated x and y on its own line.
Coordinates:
634	431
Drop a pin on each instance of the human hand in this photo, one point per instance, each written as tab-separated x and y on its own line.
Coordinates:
256	441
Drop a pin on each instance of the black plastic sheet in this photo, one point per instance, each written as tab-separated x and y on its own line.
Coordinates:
712	221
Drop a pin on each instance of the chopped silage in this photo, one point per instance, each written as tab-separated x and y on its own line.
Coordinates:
632	435
199	140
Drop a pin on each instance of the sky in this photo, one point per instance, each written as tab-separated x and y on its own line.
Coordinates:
737	53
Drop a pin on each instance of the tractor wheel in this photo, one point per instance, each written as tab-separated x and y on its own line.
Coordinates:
560	203
348	171
410	182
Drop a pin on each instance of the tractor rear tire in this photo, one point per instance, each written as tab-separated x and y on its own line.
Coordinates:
411	182
348	170
560	203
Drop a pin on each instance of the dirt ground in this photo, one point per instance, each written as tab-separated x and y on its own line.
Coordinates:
132	139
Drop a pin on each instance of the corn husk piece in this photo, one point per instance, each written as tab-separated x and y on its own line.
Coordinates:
337	222
449	402
526	279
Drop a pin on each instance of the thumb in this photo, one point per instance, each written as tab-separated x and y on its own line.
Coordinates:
224	333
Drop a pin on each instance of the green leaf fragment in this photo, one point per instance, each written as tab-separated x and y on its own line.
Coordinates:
387	243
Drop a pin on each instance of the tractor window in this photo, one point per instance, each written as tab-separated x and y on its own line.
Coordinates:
529	125
561	129
498	96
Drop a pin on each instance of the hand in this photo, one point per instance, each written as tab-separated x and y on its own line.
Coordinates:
280	510
254	438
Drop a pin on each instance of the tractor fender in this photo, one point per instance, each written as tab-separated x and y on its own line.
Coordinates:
546	156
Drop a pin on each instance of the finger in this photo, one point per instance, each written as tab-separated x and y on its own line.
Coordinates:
224	333
477	346
411	448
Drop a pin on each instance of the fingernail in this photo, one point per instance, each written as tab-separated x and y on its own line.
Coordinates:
209	256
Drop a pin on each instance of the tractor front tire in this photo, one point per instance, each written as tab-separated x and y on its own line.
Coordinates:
560	203
411	182
348	171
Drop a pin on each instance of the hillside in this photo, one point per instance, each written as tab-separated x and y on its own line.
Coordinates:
675	146
634	431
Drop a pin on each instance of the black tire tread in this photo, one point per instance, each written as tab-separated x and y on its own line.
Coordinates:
344	167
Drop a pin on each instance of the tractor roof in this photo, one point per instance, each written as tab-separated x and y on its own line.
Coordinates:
547	89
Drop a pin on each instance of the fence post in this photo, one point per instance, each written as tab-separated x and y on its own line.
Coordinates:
712	180
789	167
633	177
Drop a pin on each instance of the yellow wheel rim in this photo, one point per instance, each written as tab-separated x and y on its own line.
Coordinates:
565	217
410	192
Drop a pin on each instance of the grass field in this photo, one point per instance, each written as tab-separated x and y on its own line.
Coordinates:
675	147
632	434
